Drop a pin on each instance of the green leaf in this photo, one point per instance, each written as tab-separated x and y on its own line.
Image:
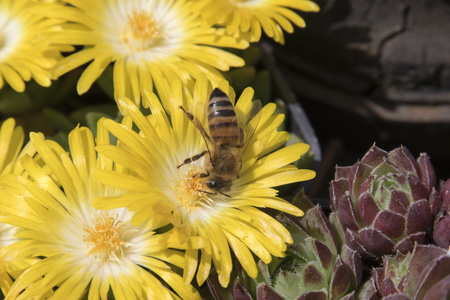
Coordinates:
240	78
58	120
12	102
106	82
262	84
80	115
252	55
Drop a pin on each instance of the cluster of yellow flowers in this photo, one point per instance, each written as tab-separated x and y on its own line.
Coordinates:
118	214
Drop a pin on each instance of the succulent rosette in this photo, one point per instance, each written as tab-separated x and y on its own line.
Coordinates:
386	202
315	266
423	273
441	232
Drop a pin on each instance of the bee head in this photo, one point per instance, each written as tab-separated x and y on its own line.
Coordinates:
218	184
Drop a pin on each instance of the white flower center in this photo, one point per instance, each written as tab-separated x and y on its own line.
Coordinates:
142	31
148	30
10	35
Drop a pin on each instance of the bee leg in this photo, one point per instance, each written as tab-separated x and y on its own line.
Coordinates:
197	124
207	192
213	193
203	175
193	158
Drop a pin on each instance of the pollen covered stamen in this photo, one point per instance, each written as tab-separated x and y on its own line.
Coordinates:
104	239
142	31
191	191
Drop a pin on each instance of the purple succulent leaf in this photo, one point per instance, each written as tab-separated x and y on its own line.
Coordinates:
399	202
368	209
421	256
388	287
435	201
354	242
239	290
435	271
314	295
266	292
427	173
324	254
358	175
401	284
290	220
403	159
418	189
368	290
445	193
390	224
347	213
353	260
319	227
378	277
376	242
337	190
350	296
407	243
440	290
312	276
441	233
341	280
401	178
367	185
215	288
374	156
342	172
338	229
418	217
397	297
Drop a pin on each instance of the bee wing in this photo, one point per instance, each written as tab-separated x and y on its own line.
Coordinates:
252	124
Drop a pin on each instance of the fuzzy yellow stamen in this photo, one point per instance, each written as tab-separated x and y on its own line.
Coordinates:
104	239
191	191
141	31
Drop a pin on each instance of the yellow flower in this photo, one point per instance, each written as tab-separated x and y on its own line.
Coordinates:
26	49
11	149
148	41
223	220
245	18
85	251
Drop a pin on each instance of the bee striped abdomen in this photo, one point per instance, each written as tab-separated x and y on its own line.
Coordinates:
222	122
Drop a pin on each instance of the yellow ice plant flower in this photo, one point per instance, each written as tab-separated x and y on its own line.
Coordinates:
11	143
11	149
26	46
147	40
223	220
245	18
85	252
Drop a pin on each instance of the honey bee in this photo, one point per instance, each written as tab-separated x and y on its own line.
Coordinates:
225	143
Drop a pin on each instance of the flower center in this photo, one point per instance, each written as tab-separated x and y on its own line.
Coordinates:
142	31
191	192
11	33
104	239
